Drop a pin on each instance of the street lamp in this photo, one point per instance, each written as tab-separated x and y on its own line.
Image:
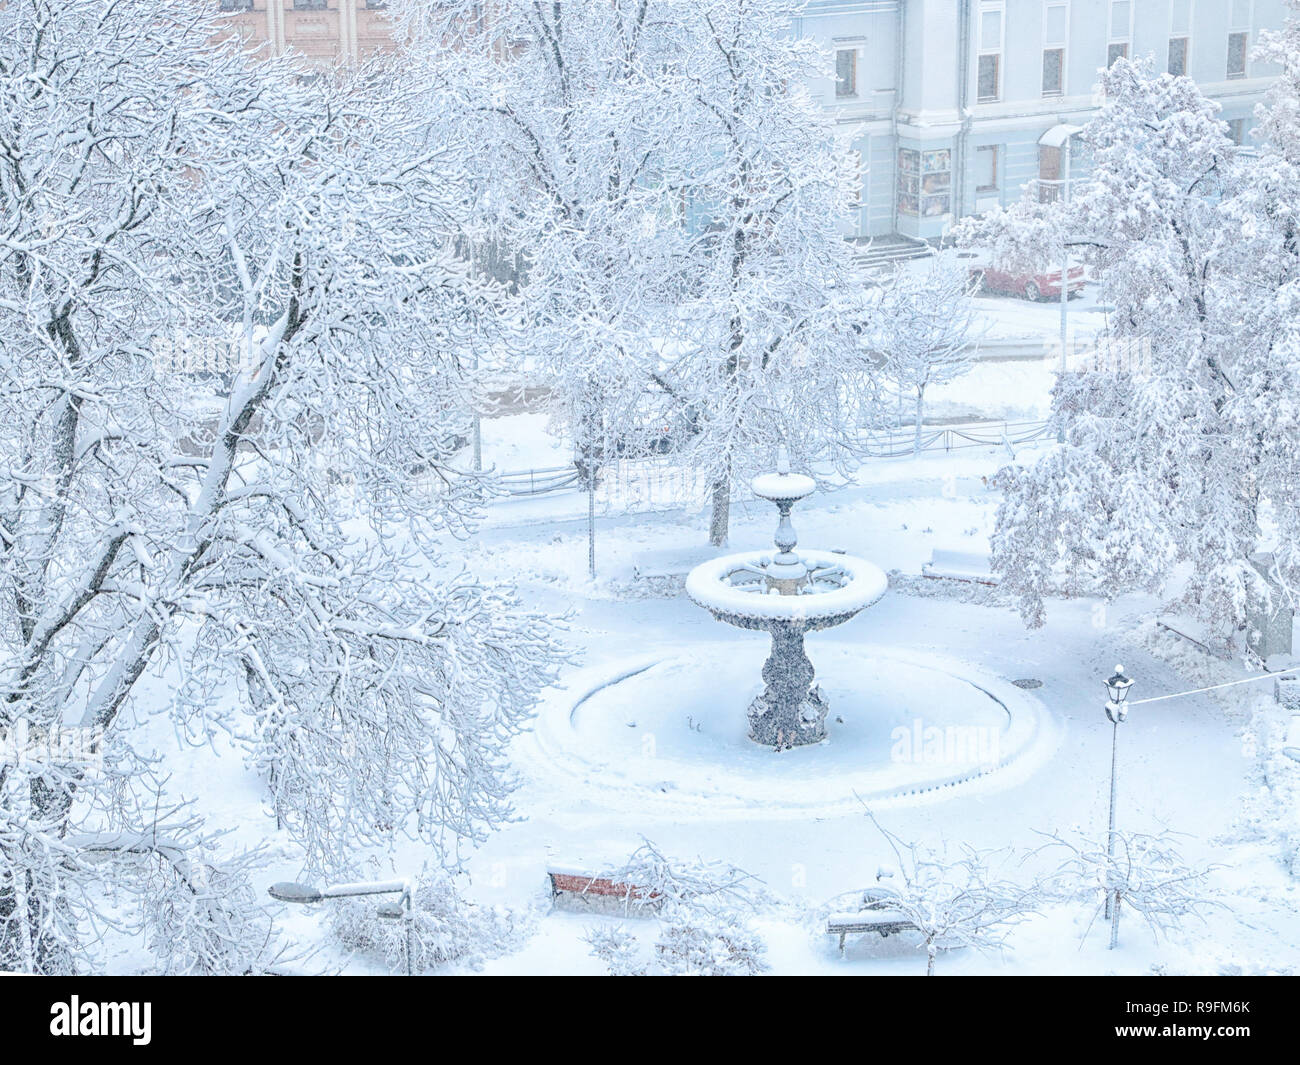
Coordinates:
1117	686
305	894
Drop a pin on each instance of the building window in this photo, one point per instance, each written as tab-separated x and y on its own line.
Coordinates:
989	66
1049	174
909	182
310	5
846	72
1053	71
924	182
1121	30
1237	130
1237	46
1178	56
986	168
1239	38
990	77
1056	23
236	5
1180	38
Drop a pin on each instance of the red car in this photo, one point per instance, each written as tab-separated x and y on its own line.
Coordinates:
1042	286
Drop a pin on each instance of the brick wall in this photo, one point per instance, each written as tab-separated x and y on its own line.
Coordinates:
321	30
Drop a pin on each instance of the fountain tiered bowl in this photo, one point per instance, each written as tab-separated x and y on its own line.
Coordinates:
787	594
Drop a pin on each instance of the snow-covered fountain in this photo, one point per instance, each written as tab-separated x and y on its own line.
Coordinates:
659	728
788	595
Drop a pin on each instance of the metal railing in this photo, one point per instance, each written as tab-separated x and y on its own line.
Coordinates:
540	482
902	442
632	482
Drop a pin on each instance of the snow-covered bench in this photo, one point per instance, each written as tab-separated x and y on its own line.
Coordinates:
583	891
959	566
884	922
670	565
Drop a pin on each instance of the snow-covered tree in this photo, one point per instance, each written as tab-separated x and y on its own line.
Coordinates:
1145	874
954	899
923	332
618	950
660	880
569	126
701	912
1180	441
159	188
202	912
760	355
676	194
689	943
445	928
704	944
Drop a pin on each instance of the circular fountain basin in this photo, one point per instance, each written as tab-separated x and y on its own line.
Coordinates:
662	735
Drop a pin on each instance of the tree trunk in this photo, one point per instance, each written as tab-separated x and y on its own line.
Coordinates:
720	519
920	405
591	527
929	959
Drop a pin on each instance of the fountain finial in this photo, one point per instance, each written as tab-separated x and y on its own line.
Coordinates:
783	461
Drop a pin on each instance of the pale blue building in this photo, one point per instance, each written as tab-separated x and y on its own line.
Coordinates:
952	106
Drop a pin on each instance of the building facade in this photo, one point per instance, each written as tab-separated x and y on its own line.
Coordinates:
322	30
950	106
954	106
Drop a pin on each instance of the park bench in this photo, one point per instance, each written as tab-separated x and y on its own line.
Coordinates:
959	566
582	891
670	565
884	922
877	914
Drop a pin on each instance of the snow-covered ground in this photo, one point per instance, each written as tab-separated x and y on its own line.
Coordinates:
592	789
901	511
258	629
644	737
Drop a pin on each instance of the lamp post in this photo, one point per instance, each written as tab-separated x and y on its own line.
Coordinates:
305	894
1059	137
1065	254
1117	686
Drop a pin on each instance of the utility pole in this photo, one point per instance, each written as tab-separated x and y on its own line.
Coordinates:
1065	254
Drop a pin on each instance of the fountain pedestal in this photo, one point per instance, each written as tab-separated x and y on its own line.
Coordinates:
791	712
